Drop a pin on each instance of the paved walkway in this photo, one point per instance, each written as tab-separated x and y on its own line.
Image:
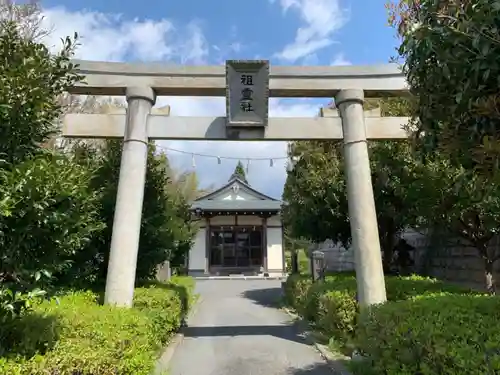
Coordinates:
237	331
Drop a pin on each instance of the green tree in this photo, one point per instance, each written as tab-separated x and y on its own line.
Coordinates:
166	231
47	211
187	184
316	196
459	203
450	56
38	78
51	216
239	172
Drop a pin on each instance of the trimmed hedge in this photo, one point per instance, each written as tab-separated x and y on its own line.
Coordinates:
74	334
332	305
443	334
426	327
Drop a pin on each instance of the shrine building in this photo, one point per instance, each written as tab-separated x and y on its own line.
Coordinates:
240	233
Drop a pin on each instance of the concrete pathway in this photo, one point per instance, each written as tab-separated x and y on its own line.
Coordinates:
236	330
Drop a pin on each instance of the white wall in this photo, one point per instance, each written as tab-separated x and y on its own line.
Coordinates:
197	252
222	220
249	220
242	220
274	221
241	196
274	250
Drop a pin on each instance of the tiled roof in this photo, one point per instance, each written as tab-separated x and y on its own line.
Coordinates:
237	205
243	184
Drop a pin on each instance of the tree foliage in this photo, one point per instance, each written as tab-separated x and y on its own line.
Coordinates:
187	184
31	81
239	171
316	195
450	56
57	205
47	211
50	214
166	231
450	51
446	178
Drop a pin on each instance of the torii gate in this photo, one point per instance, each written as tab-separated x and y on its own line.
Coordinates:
141	83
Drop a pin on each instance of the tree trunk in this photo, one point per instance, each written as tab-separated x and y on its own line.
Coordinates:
295	262
488	276
387	243
489	279
386	260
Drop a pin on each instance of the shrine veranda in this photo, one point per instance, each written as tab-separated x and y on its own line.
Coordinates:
247	86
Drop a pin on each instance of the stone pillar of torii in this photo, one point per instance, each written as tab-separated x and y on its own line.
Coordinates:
247	86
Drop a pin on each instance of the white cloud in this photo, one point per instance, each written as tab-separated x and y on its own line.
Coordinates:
194	49
340	59
320	19
112	37
311	59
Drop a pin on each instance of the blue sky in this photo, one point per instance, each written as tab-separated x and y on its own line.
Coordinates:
287	32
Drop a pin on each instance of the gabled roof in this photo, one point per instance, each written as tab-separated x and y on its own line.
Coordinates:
246	186
237	205
260	202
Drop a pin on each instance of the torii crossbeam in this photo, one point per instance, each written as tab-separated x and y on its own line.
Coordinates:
141	83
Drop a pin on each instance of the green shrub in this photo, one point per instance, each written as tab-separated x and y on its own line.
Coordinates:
408	287
309	304
343	275
303	295
332	307
295	290
337	311
183	286
74	334
442	334
163	305
48	215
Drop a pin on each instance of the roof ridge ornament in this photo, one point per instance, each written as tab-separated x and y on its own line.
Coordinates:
236	176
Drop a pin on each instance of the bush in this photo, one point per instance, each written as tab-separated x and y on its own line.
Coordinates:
409	287
182	285
48	215
440	334
337	311
332	307
74	334
296	289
